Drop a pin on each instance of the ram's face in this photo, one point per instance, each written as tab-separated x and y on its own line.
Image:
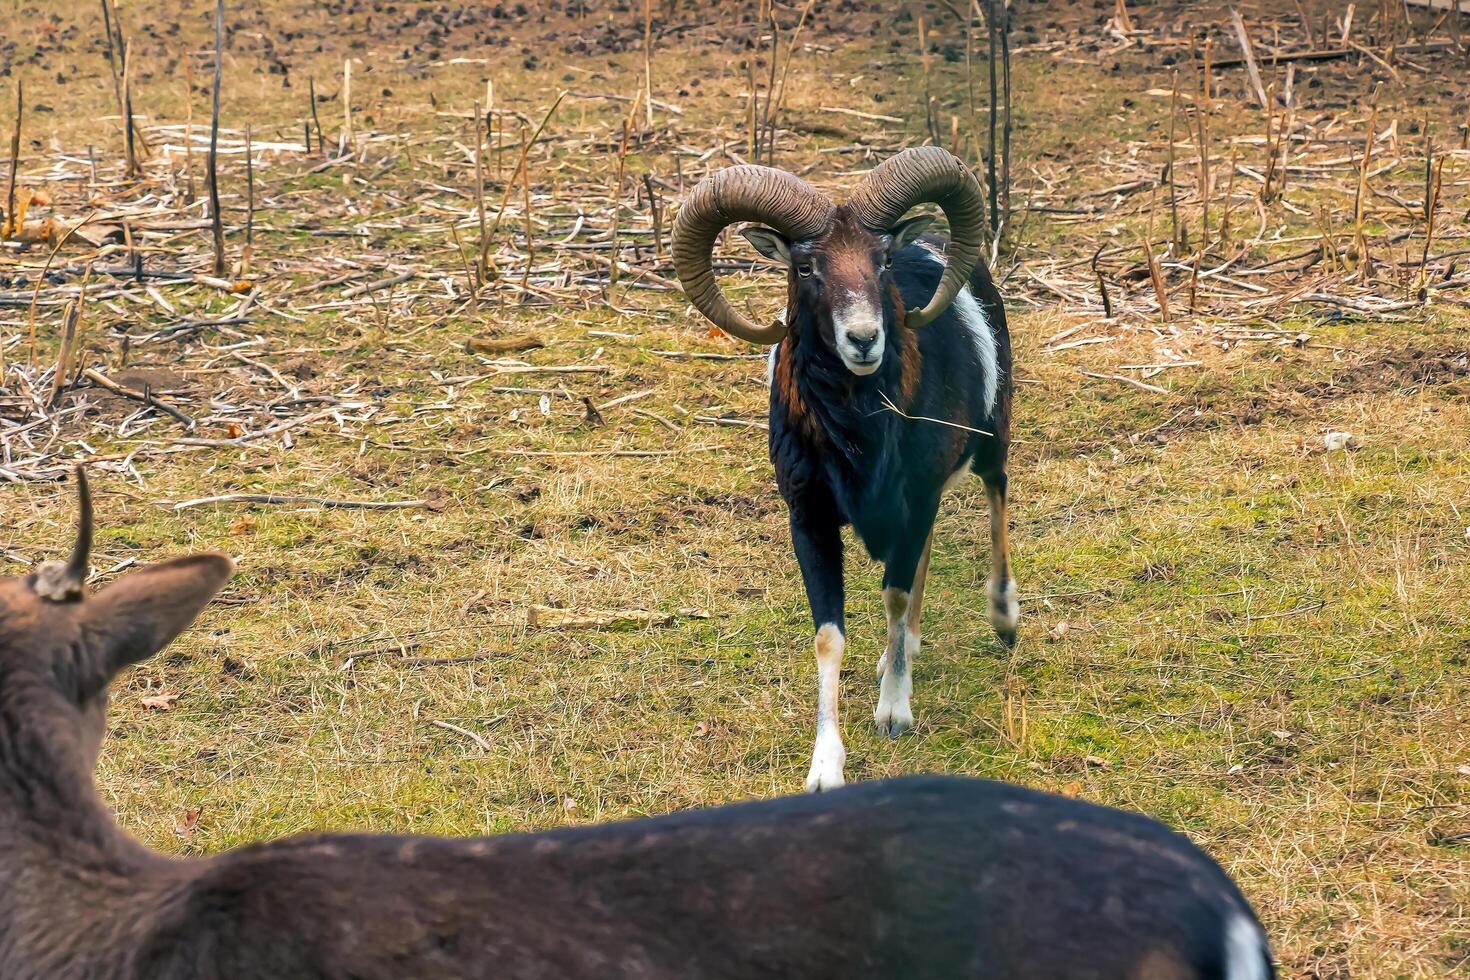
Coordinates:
842	278
843	275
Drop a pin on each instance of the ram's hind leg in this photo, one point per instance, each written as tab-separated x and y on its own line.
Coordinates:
903	600
1005	611
912	616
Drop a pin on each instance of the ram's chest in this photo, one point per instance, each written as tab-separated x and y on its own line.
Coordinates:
787	398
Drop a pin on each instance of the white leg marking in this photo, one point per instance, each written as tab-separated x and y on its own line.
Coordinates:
1246	956
828	754
1005	609
973	318
893	714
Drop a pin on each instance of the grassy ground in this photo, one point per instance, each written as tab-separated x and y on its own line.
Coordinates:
1224	625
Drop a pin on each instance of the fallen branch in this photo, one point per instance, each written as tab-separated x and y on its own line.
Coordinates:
273	498
477	739
1127	381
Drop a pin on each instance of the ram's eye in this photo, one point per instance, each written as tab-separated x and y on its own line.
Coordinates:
887	260
804	270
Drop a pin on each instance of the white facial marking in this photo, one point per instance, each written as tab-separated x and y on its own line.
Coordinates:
828	754
973	317
893	714
1245	950
1005	609
858	327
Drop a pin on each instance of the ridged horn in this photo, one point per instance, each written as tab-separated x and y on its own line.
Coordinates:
745	193
928	175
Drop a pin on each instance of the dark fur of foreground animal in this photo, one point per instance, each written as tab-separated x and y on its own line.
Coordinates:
917	877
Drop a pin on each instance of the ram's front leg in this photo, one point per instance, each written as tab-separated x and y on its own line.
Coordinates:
818	545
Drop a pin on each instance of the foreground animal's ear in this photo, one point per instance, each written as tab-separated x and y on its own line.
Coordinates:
142	612
772	244
906	231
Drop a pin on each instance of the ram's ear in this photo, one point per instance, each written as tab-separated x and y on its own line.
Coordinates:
141	613
770	243
905	232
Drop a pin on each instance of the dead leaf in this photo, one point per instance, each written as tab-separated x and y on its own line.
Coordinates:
1463	770
162	701
243	525
1096	760
36	232
701	729
1073	790
186	822
98	235
234	431
242	286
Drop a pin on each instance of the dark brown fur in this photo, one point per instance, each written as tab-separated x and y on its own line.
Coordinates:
912	360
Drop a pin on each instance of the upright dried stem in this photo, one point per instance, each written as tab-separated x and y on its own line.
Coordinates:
189	190
71	328
346	105
929	122
1430	204
1360	201
991	164
8	223
780	96
766	135
482	263
617	207
526	214
1174	241
752	102
249	250
216	218
130	151
321	145
1157	276
648	62
655	214
108	25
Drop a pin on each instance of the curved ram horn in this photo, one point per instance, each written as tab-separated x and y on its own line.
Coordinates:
928	174
745	193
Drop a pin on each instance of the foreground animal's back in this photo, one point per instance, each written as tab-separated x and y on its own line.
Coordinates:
919	877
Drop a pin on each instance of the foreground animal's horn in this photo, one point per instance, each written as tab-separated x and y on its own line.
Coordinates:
928	174
63	583
746	193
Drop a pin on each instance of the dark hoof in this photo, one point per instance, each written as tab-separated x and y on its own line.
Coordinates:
1007	638
895	726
